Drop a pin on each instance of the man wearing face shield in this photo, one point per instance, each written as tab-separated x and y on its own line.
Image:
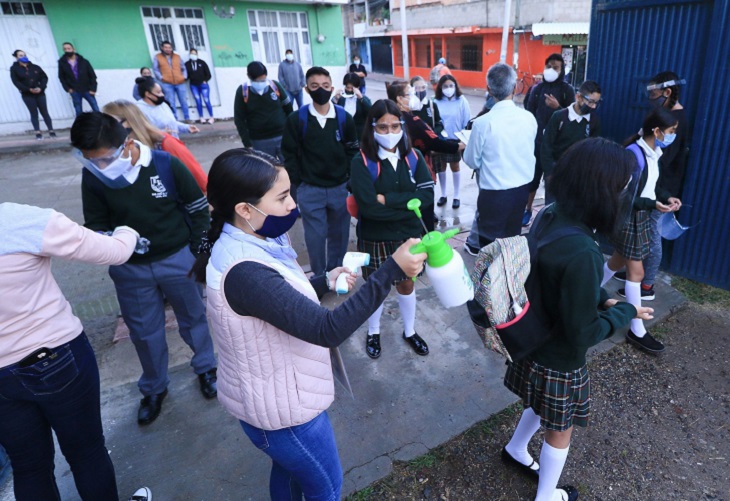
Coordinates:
552	94
126	183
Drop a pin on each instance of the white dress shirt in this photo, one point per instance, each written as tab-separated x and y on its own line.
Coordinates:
652	166
322	119
502	147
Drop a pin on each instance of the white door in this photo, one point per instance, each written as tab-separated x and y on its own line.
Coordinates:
185	29
24	26
273	32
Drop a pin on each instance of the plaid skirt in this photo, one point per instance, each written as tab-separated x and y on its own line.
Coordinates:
379	254
561	399
441	160
634	240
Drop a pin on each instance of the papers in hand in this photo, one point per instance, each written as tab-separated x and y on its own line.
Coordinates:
463	136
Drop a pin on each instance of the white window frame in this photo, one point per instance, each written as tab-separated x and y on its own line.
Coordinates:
276	27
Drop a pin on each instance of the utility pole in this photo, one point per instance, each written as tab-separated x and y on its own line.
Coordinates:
516	37
505	32
404	41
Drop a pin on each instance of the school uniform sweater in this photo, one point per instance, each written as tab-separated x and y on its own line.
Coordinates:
571	270
673	164
362	108
146	207
558	138
261	116
431	115
322	158
392	221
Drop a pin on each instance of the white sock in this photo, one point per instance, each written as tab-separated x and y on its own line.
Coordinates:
374	320
442	182
456	176
407	306
526	428
552	461
633	296
608	273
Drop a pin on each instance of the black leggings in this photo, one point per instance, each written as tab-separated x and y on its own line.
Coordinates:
36	103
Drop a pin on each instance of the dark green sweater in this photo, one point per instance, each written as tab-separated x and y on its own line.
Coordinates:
146	207
558	139
322	159
571	270
392	221
263	116
432	118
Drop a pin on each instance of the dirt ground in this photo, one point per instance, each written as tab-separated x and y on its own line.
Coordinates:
660	429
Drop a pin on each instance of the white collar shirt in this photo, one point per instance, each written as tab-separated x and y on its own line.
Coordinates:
322	119
393	157
574	116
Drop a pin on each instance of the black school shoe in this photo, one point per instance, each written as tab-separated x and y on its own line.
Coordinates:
646	294
456	203
646	343
372	345
620	276
571	491
417	343
508	459
209	383
441	202
150	407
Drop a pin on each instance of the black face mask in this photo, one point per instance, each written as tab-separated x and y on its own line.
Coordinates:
421	94
585	109
658	102
157	100
320	96
69	54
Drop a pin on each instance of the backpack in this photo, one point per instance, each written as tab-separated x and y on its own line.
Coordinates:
244	90
374	168
340	114
507	309
434	76
564	118
161	160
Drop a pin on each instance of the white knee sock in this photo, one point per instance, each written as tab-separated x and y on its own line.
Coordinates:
633	296
526	428
407	306
608	274
552	461
374	320
442	182
456	176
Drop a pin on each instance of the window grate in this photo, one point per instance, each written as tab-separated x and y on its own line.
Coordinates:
22	8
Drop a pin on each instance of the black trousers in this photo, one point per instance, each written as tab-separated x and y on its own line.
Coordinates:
36	103
500	213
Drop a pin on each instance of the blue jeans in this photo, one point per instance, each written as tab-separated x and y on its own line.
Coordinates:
182	94
141	289
62	396
202	93
326	225
297	97
76	97
654	259
305	460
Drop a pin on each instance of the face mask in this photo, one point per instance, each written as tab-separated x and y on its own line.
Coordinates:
421	94
290	57
259	87
157	100
23	59
668	139
69	54
550	75
388	141
348	96
584	109
449	91
320	96
658	102
275	226
356	61
193	57
113	174
414	103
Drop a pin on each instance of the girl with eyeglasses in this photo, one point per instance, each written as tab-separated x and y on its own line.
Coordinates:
383	178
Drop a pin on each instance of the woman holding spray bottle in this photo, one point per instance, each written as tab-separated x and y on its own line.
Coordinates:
386	222
275	370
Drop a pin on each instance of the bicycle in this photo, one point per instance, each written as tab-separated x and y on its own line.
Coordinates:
524	83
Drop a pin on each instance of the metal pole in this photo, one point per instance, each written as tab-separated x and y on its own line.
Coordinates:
516	37
404	41
367	13
505	32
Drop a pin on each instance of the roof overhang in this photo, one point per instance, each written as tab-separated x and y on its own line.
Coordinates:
539	29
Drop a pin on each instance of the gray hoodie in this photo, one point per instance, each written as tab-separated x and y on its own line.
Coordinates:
291	76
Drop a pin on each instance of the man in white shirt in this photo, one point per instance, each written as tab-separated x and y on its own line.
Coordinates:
501	148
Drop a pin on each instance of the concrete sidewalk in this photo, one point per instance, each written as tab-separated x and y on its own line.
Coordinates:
404	404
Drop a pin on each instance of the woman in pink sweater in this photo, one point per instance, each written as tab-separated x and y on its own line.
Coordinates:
49	379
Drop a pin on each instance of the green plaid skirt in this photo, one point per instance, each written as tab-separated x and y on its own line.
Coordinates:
379	254
441	160
561	399
634	240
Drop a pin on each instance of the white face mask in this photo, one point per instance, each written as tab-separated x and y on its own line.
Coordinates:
356	61
388	141
550	75
414	103
290	57
193	57
448	91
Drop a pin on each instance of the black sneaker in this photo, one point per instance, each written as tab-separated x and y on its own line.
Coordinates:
646	294
620	276
39	136
472	251
646	343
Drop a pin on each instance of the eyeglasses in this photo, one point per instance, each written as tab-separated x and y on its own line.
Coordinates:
385	128
591	102
100	163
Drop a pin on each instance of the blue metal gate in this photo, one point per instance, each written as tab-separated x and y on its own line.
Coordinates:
632	40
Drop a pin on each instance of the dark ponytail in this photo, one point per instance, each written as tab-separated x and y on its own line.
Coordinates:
236	176
144	85
658	117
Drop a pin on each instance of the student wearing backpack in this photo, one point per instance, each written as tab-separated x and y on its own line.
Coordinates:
456	114
633	243
352	100
553	381
568	126
126	183
386	174
552	94
319	142
260	110
426	108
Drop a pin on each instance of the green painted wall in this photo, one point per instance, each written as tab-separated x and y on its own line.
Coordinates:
111	33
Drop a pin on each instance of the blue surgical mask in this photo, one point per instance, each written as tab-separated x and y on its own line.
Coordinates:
668	139
275	226
259	87
23	59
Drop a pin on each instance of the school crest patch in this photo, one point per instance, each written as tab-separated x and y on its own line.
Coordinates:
158	189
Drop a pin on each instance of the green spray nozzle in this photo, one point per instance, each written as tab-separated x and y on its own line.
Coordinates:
434	244
414	204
